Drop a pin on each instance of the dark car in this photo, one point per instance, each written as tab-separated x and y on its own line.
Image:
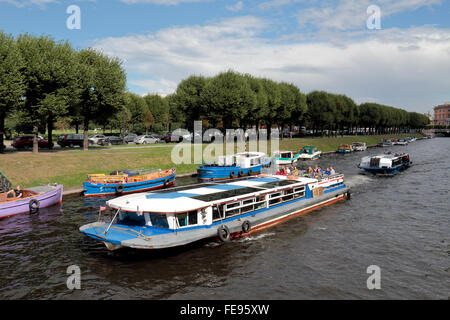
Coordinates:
23	142
71	140
129	137
110	140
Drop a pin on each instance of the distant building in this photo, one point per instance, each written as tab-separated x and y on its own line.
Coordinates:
429	116
442	114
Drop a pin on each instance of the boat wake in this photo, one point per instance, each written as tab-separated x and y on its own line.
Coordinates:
255	238
357	180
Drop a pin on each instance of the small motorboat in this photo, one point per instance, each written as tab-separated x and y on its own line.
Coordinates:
127	181
309	153
30	199
359	146
234	166
285	157
402	142
386	143
411	139
344	148
386	163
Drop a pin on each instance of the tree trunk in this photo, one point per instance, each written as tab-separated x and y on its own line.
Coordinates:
50	132
2	132
35	139
85	135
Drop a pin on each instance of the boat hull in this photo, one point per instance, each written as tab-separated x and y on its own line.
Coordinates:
48	196
344	151
210	173
390	171
92	189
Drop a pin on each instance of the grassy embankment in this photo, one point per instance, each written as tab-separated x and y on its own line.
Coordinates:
71	167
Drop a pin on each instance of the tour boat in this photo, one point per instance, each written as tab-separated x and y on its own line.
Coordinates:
217	211
234	166
359	146
344	148
402	142
127	181
31	200
285	157
387	163
309	153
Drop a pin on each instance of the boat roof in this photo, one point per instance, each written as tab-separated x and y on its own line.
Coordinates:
388	156
195	197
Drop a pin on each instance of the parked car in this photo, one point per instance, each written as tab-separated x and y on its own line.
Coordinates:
145	139
94	138
71	140
129	137
23	142
110	140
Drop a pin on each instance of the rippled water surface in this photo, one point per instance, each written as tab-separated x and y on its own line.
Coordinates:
400	224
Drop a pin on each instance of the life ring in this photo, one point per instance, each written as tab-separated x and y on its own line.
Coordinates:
246	226
223	233
166	182
241	173
34	205
119	188
232	174
249	172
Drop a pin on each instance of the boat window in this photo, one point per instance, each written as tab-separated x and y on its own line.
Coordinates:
182	219
248	201
131	219
217	213
159	220
233	204
193	217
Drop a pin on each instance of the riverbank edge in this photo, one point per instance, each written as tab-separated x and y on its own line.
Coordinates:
76	191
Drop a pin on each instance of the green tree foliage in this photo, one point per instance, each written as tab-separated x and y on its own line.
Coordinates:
49	77
159	108
12	84
101	86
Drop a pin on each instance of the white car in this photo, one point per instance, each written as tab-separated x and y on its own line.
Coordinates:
145	139
95	138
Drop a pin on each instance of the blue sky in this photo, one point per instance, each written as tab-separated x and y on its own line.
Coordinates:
317	45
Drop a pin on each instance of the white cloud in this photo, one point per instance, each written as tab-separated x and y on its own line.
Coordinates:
24	3
406	68
350	14
162	2
237	7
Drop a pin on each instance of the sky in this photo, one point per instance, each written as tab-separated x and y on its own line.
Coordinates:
393	52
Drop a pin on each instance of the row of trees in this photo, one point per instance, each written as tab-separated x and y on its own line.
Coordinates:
44	82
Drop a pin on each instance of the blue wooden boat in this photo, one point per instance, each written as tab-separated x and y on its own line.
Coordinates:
238	165
126	182
387	163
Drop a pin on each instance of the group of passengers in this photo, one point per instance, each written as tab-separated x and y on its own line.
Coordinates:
288	170
318	172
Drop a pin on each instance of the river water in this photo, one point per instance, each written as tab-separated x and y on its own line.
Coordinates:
399	223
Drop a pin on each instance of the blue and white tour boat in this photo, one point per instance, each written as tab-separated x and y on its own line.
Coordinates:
386	163
214	210
234	166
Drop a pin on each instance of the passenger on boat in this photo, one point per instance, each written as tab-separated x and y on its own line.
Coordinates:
328	172
318	172
17	193
332	172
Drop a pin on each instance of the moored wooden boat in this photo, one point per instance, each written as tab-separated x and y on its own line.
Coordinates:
31	201
126	182
344	148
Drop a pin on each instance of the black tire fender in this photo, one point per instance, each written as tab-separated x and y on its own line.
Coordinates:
246	226
119	188
349	195
223	233
34	205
